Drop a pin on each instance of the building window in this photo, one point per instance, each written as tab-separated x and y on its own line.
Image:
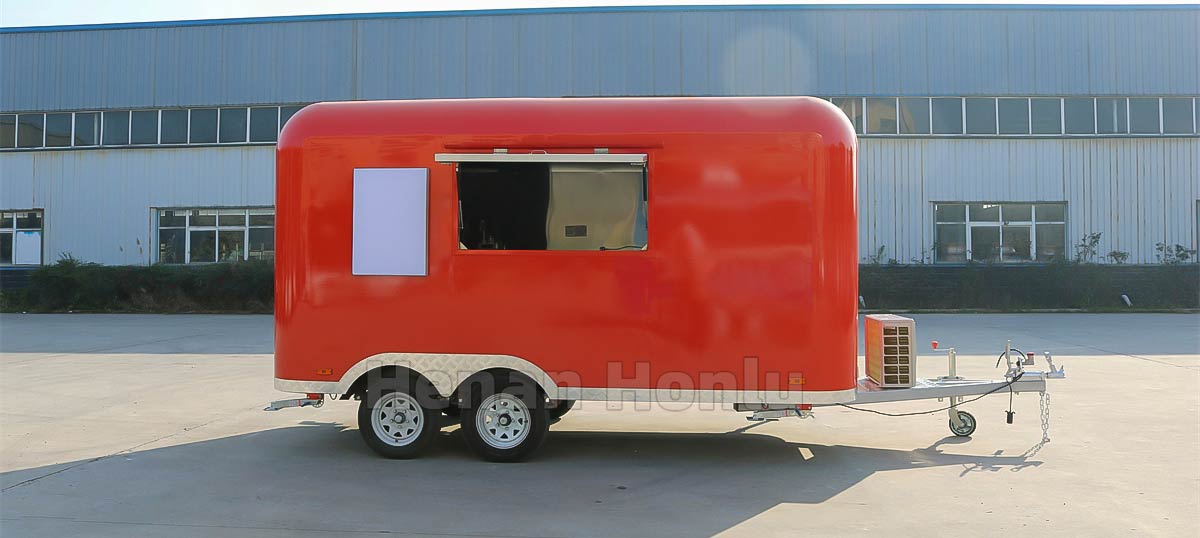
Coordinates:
8	130
58	130
208	235
30	129
914	115
1013	116
1177	116
1143	116
203	126
232	127
881	115
264	124
1111	116
852	107
144	127
21	237
87	128
115	128
174	127
551	206
1079	115
981	116
947	115
286	113
999	232
1045	116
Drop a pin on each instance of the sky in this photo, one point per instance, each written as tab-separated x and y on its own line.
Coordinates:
70	12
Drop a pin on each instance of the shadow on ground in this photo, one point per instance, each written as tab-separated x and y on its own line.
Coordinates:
320	477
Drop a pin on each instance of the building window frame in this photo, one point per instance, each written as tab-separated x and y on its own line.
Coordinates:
8	226
1000	224
247	225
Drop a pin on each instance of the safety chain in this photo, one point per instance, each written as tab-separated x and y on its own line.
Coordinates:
1044	405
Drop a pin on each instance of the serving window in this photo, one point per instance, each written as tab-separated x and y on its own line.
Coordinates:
522	205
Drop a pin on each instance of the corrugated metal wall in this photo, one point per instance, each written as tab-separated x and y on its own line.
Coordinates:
1136	192
98	202
904	51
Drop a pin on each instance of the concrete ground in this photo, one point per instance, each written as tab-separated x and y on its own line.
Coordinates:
129	425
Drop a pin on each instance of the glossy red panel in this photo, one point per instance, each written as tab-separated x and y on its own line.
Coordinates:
752	244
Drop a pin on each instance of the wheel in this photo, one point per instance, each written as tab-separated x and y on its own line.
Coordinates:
558	408
508	424
393	421
968	424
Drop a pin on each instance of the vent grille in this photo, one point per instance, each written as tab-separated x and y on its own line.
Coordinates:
891	362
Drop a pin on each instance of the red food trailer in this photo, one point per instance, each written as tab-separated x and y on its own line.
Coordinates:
498	259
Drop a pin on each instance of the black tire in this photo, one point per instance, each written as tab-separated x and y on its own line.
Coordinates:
969	424
558	408
522	399
410	399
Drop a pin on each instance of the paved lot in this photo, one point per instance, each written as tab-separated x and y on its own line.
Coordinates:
124	425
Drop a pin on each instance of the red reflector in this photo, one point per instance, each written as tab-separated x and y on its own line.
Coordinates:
312	396
804	407
325	371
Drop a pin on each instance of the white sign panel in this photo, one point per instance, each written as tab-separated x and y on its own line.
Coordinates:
391	221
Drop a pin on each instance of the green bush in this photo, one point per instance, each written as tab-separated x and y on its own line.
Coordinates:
77	286
1032	287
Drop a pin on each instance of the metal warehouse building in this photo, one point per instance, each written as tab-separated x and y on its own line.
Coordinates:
992	134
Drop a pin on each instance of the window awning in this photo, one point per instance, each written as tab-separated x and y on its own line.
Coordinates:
602	158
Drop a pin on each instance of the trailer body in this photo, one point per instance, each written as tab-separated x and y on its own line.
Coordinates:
742	288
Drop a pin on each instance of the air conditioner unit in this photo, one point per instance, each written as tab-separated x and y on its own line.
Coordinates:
891	359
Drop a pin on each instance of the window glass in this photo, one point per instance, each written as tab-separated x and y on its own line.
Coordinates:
947	115
144	128
881	115
264	124
262	217
116	128
29	220
87	128
30	128
231	245
1177	115
233	125
985	244
202	217
540	206
8	130
951	244
1051	242
950	212
852	107
1018	212
914	115
262	243
203	246
286	113
981	116
7	219
1016	244
171	218
174	127
231	217
1013	116
6	247
58	130
1143	116
1111	116
1045	116
203	128
1051	212
171	245
984	213
1080	114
